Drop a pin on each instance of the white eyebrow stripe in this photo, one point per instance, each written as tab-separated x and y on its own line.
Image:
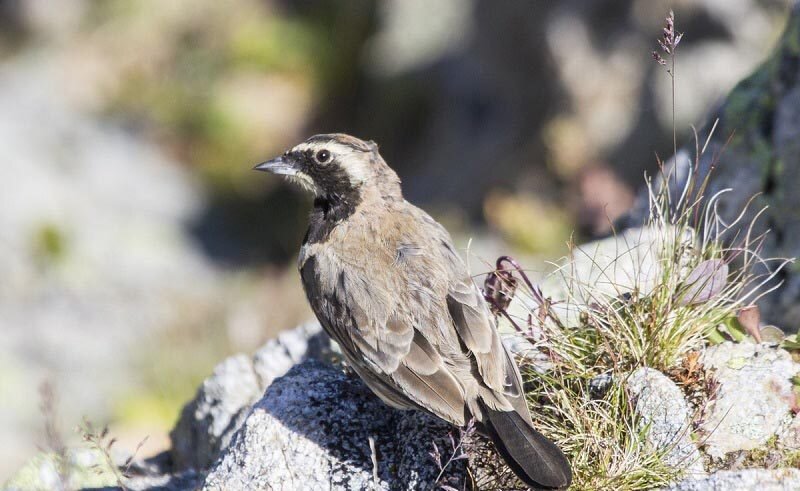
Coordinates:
331	145
356	167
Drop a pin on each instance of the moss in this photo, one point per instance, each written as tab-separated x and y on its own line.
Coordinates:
764	455
792	458
770	455
49	243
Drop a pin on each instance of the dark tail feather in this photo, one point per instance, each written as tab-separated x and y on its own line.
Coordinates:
533	458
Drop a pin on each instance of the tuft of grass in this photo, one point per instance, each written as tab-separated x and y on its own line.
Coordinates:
54	441
704	273
100	441
707	271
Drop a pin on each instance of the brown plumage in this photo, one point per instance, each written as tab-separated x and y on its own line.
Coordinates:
386	283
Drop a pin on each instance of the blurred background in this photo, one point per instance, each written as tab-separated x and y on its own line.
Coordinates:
137	247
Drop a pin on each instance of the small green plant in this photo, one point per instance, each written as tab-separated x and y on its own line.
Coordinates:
49	244
54	442
100	441
457	451
702	282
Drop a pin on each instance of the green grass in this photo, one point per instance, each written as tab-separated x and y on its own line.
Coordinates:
707	270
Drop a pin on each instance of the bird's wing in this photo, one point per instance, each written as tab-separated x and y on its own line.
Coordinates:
470	315
477	331
379	307
450	333
410	313
394	347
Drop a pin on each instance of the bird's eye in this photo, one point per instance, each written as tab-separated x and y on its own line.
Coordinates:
323	156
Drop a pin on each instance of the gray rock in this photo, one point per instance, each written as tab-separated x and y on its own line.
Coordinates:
665	414
291	347
789	435
208	422
744	480
754	396
312	430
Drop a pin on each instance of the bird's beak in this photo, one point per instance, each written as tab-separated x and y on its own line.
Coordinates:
278	165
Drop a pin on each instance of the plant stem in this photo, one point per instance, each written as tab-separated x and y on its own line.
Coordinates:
674	137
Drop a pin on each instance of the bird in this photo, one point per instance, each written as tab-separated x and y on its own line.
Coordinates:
387	284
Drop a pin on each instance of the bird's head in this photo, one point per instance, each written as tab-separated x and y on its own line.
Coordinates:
336	166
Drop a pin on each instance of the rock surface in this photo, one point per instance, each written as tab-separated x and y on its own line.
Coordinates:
789	435
754	396
312	427
208	422
665	416
746	480
312	431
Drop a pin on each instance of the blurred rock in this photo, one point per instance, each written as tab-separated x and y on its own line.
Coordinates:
291	347
312	430
603	199
410	37
222	403
754	397
93	255
666	418
745	480
523	96
755	151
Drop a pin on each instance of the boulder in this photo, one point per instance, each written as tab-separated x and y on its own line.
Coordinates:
754	398
223	401
744	480
312	430
664	415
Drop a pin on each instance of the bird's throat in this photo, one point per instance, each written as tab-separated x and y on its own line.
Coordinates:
327	213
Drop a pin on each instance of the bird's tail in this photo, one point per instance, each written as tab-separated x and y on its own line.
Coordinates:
537	461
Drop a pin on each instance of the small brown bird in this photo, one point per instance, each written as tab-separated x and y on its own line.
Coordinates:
386	283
